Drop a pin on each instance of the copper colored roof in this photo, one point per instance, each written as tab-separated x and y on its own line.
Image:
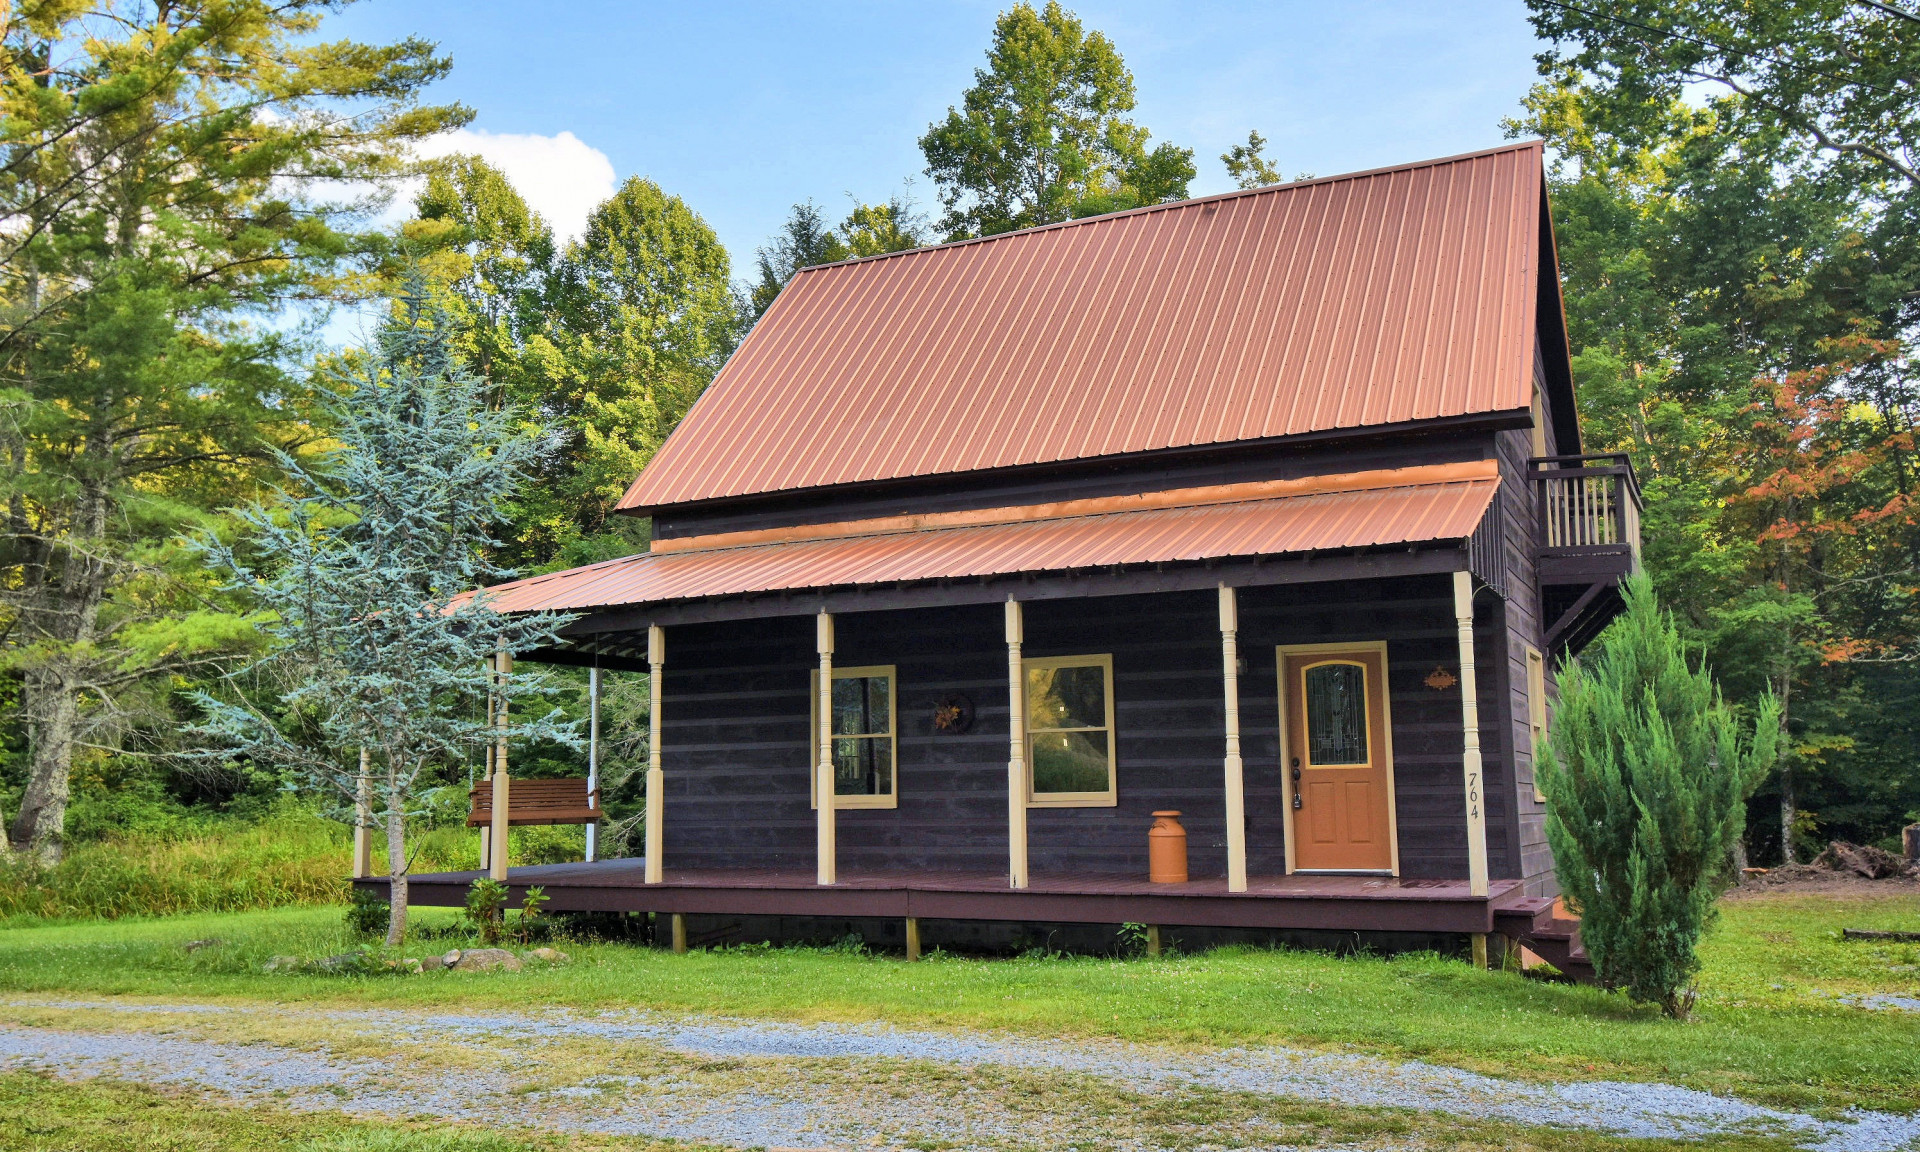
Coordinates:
1369	299
1389	507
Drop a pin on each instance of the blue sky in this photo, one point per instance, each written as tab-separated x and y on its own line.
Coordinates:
743	109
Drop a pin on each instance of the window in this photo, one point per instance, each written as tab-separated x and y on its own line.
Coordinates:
864	749
1539	422
1070	731
1537	715
1336	713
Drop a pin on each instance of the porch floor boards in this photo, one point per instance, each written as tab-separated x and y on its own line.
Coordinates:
1298	902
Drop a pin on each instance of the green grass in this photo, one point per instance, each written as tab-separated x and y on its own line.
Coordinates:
292	858
1768	1026
38	1114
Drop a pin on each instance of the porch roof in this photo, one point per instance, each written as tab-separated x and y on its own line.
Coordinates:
1268	518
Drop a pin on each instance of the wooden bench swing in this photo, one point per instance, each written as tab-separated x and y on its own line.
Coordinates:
534	802
537	802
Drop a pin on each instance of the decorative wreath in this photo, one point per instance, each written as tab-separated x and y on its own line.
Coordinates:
952	714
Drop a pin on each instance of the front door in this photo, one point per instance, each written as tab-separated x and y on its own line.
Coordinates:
1339	762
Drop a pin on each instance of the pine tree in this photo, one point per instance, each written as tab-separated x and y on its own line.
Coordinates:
1646	780
365	588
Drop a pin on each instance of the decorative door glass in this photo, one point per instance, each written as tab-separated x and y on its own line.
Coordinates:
1336	699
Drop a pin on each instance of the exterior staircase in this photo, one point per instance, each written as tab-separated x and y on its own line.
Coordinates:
1542	925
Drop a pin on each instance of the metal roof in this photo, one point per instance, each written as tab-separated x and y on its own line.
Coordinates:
1367	299
1348	515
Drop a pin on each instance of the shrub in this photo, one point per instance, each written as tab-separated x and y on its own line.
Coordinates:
366	913
485	898
1646	781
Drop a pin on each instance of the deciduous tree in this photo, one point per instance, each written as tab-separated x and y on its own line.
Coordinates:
1043	134
161	176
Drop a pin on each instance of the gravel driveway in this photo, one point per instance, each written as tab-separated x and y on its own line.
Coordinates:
757	1083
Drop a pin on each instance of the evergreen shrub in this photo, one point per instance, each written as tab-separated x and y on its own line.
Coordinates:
1646	779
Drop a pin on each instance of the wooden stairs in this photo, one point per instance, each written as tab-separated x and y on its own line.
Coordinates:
1544	927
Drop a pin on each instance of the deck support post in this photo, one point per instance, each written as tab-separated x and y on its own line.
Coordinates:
656	779
593	755
1153	939
913	938
825	849
679	934
1471	766
1016	748
1479	949
497	847
363	820
1235	767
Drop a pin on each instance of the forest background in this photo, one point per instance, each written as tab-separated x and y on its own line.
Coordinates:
188	189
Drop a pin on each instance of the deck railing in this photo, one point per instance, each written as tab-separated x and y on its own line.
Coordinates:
1587	503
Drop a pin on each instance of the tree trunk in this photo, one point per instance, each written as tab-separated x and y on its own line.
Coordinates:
1788	812
52	712
396	872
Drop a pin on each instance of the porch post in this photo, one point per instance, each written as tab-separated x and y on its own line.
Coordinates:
486	773
593	753
656	779
1016	748
1470	725
363	820
497	843
824	848
1236	775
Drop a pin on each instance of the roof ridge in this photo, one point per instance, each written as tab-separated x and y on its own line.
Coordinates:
1170	205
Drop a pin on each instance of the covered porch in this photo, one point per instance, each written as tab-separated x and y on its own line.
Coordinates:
1297	902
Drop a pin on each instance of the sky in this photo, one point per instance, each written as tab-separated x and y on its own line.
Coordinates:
743	109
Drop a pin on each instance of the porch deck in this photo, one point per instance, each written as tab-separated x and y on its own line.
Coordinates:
1343	903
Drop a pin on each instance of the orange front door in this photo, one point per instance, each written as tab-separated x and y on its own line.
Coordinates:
1338	761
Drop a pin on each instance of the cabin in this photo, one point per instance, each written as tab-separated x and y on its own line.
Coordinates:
1267	509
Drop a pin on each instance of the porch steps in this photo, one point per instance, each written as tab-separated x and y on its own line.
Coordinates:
1537	923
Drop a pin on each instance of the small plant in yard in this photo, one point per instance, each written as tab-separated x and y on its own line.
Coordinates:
366	913
485	899
1646	780
1132	938
530	912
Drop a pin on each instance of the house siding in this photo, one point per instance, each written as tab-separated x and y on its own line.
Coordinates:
736	743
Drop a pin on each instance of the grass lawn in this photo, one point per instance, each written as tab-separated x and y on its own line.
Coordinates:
1769	1026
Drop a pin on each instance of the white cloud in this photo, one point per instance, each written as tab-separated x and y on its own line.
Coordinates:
561	177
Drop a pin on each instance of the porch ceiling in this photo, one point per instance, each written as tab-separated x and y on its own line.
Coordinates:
1404	506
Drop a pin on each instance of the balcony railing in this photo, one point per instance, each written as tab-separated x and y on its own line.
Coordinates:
1587	505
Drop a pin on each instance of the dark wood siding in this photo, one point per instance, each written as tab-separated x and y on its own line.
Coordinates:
736	731
1522	628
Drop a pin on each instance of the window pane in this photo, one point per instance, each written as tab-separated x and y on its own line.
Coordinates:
860	705
1070	761
1067	697
862	767
1336	714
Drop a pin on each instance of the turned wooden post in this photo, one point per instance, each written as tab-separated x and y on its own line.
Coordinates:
1016	749
1471	767
825	851
1235	767
497	842
656	814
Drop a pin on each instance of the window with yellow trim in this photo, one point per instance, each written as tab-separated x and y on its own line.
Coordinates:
1070	761
1537	715
864	747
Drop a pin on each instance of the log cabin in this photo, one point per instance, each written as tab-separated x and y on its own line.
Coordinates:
1268	509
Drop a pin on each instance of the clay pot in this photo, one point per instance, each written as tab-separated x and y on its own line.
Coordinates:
1167	849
